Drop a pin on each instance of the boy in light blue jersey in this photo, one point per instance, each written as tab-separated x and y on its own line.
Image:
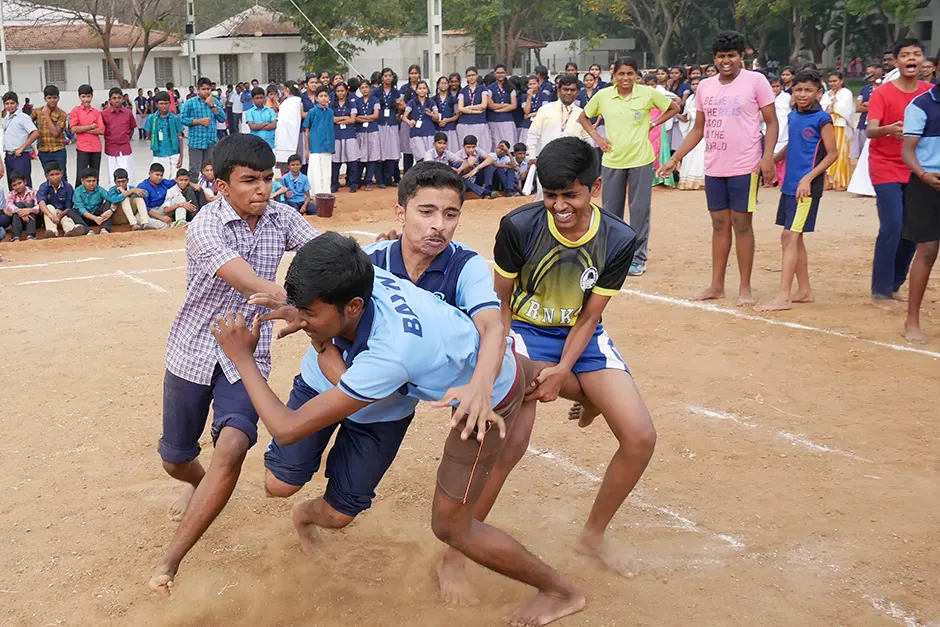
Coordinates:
400	339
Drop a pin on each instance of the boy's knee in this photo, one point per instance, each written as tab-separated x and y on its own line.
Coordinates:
929	251
720	222
230	450
276	488
741	223
640	439
447	525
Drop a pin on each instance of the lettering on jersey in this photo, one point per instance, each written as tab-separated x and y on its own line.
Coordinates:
589	278
410	322
390	283
440	296
548	313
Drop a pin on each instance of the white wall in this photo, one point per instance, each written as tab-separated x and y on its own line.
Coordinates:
556	54
458	54
252	56
27	74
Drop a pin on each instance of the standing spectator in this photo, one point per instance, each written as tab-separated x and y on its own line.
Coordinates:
238	109
320	136
174	98
27	107
889	174
873	76
166	134
201	115
119	125
22	206
261	119
87	124
55	203
288	133
837	102
192	93
50	121
555	119
921	153
140	109
18	133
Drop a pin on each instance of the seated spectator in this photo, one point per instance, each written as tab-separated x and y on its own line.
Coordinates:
156	188
522	164
440	152
208	184
184	200
477	169
55	204
296	186
505	174
22	207
91	202
5	220
130	200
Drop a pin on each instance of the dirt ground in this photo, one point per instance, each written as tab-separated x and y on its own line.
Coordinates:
795	480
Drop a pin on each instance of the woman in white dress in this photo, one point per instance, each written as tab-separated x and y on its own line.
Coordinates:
692	170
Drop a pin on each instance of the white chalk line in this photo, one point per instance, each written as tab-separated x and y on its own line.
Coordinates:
678	520
107	275
796	439
143	282
892	609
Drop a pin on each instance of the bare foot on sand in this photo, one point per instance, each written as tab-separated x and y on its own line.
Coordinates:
310	542
898	296
583	413
613	557
161	581
178	508
545	608
455	589
803	297
777	304
745	298
888	304
711	293
914	335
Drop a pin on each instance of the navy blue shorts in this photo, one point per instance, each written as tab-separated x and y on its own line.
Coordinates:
797	216
186	409
738	193
356	464
547	344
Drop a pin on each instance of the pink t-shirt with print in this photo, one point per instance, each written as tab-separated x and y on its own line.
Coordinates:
732	122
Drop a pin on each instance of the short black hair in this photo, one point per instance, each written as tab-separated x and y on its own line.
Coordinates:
438	136
50	90
161	96
204	81
16	176
85	90
331	268
11	95
322	89
571	65
157	167
808	76
248	151
566	160
499	65
430	174
52	166
626	61
567	79
88	173
293	158
257	91
729	41
503	142
905	43
470	140
520	147
120	173
115	91
182	172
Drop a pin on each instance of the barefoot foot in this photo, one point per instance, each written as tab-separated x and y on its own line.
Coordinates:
310	542
746	299
914	335
455	589
178	508
545	608
898	296
803	297
161	581
888	304
613	557
583	413
711	293
777	304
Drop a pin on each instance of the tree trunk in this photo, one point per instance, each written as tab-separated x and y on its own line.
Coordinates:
797	38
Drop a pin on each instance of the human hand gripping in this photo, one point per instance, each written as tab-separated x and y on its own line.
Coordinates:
474	410
280	310
237	340
547	384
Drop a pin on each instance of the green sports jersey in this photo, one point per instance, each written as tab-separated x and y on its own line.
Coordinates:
554	276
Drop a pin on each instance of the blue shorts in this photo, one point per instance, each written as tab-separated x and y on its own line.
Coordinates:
738	193
547	344
186	408
356	464
799	217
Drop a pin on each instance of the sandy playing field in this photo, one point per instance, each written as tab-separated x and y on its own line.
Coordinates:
795	480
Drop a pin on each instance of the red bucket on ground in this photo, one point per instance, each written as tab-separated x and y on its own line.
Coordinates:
325	205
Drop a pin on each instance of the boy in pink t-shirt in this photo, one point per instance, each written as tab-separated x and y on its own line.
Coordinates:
732	106
88	125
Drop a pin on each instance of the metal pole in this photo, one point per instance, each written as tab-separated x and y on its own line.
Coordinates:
191	41
845	21
434	38
4	68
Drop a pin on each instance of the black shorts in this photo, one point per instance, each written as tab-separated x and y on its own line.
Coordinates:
921	212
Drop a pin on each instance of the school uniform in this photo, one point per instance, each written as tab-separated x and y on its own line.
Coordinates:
17	127
408	93
319	123
505	178
482	183
501	126
367	134
345	146
447	107
473	123
389	144
422	133
299	187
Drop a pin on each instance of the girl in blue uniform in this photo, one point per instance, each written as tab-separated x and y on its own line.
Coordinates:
390	149
446	103
368	111
502	103
584	96
420	115
404	132
472	104
346	146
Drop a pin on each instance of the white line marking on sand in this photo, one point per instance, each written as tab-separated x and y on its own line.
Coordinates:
143	282
50	263
128	273
720	415
894	610
679	521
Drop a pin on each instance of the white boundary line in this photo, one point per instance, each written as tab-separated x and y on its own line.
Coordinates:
889	608
144	282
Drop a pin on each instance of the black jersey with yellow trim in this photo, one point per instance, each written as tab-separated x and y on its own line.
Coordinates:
554	276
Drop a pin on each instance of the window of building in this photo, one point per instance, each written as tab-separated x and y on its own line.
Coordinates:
163	71
277	67
54	69
110	77
924	31
228	69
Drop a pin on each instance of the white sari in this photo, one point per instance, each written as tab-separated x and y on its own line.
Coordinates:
692	170
861	180
287	133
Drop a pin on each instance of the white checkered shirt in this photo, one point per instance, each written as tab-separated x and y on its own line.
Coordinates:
216	236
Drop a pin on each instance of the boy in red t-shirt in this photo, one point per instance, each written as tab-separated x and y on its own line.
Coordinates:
889	175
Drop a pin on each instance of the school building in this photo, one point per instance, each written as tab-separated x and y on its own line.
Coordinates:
556	54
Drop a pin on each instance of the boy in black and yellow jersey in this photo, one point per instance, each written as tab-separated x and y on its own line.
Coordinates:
558	263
